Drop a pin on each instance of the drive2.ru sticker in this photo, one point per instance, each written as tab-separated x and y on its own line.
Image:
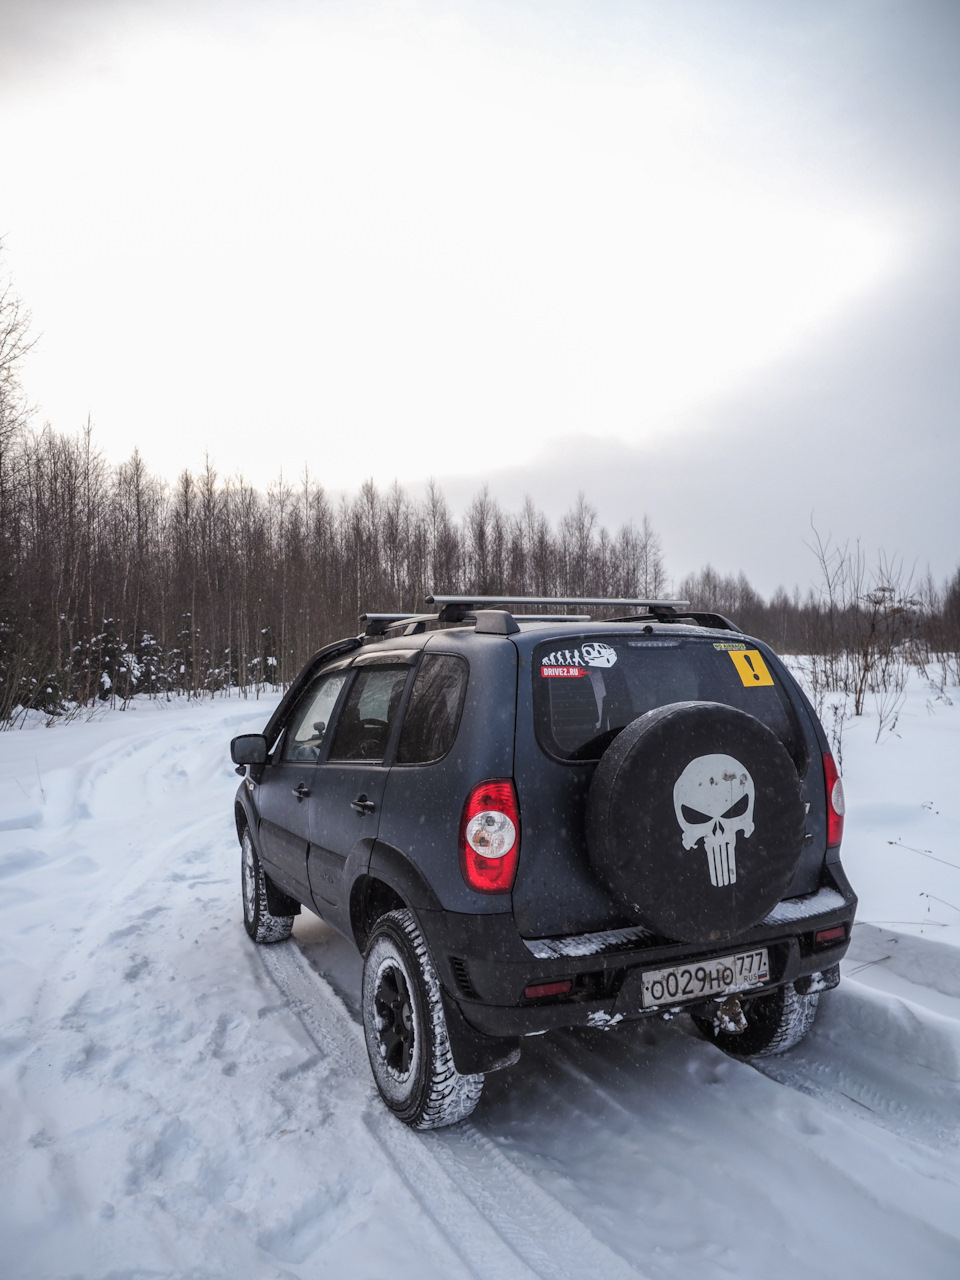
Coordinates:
563	671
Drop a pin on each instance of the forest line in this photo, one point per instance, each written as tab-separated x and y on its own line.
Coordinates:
115	583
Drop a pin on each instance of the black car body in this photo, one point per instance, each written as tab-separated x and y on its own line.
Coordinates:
358	797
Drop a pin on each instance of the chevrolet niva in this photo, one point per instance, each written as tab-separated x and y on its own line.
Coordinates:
527	821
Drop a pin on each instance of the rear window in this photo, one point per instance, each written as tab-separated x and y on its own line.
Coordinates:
586	691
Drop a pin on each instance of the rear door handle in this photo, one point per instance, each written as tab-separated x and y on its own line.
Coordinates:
300	791
362	804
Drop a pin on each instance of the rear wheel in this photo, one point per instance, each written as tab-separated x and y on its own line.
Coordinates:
775	1023
406	1029
258	920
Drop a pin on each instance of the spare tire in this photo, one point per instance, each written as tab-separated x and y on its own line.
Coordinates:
695	821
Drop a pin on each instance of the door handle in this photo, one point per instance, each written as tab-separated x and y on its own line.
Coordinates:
362	804
300	791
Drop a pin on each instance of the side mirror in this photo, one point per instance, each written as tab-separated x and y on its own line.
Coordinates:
249	748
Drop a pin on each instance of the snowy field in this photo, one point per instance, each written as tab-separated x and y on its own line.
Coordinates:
175	1102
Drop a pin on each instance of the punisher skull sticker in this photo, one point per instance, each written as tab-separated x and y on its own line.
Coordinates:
713	799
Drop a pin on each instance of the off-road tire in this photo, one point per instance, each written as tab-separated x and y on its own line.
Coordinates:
406	1030
258	920
776	1022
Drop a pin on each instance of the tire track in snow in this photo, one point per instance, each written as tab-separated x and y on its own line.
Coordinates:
882	1059
886	1045
497	1219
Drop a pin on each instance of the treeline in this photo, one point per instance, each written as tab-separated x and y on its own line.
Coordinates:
114	583
857	633
854	607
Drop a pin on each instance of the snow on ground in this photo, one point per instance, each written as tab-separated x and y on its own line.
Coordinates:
175	1102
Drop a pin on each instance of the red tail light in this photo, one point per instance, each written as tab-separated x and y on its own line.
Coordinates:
490	836
835	802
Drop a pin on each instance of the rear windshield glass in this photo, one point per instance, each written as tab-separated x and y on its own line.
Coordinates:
585	692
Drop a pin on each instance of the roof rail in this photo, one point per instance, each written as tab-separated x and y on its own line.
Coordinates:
378	624
554	601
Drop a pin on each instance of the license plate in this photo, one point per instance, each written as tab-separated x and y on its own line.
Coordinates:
705	978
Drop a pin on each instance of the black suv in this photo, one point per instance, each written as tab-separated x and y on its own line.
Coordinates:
528	821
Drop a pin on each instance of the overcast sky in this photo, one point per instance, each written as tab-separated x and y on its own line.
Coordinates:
698	259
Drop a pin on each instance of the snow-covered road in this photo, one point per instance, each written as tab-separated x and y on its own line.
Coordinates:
177	1102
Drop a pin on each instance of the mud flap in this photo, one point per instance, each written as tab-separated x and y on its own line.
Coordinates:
279	903
473	1052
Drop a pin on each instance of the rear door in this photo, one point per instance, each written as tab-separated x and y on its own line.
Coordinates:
351	781
576	695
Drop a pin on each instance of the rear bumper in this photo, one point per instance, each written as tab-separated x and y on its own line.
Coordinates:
485	965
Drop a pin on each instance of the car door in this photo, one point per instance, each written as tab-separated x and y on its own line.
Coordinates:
288	789
351	781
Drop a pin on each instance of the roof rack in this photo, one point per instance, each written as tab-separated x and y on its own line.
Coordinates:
552	601
459	608
490	615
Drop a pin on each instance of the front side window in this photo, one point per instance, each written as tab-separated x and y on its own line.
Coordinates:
586	690
433	712
306	732
369	713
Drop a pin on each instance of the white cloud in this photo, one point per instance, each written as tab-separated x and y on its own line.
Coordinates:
400	244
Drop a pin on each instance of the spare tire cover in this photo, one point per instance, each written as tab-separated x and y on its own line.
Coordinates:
695	820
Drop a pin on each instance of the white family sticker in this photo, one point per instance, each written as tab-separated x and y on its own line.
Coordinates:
575	662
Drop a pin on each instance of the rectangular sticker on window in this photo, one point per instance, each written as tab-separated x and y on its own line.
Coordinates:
751	668
563	671
729	644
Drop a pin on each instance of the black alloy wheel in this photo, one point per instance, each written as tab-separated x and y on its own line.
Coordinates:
405	1029
397	1031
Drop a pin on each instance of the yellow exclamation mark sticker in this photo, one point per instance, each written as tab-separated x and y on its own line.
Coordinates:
751	668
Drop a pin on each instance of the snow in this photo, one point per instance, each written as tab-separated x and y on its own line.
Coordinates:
177	1102
583	944
800	908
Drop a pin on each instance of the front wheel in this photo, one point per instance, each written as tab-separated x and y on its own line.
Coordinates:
775	1023
258	920
406	1030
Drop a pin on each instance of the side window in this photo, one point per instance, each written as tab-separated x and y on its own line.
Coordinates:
368	714
305	734
433	712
